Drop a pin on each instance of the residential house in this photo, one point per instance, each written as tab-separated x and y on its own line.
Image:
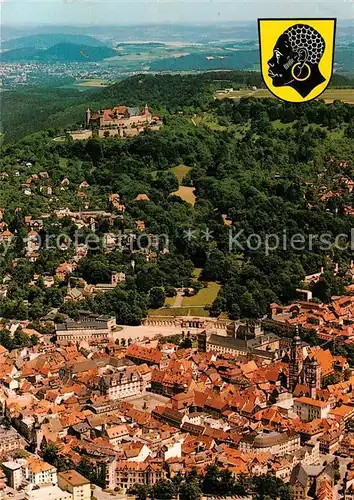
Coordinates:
123	384
149	355
38	472
308	409
10	441
117	434
48	493
130	473
74	483
13	473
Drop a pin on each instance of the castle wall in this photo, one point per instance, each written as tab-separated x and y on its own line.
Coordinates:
113	132
81	135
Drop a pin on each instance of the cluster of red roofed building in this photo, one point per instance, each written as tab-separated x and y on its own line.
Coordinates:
334	320
145	412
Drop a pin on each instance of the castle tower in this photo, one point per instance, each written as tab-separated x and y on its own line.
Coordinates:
88	117
296	362
312	376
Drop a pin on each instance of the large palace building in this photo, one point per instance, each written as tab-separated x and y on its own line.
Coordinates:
98	329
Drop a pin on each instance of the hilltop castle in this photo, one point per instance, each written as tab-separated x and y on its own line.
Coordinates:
120	121
119	115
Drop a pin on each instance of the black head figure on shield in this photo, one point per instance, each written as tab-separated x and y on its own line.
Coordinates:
296	56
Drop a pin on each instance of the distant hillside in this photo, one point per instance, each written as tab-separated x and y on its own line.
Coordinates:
237	59
61	52
48	40
206	61
19	55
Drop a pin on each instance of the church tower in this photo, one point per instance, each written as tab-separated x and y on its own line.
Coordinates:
147	114
296	362
312	376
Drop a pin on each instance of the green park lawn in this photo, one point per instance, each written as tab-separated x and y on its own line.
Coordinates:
170	301
203	297
94	82
179	311
191	306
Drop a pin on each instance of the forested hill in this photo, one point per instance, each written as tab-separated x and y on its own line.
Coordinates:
46	40
26	111
176	92
60	52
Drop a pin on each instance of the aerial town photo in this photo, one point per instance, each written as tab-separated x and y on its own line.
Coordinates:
176	250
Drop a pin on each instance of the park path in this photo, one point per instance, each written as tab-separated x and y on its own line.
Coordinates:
178	300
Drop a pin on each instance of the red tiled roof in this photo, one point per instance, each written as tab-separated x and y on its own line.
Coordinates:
149	354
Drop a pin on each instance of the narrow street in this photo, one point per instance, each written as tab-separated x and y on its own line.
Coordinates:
103	495
11	494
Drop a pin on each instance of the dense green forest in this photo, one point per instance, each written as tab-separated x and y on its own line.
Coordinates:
262	163
26	111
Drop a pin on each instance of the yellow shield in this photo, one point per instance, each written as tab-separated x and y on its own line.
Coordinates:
296	56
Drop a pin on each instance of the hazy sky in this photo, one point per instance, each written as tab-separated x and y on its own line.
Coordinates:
119	12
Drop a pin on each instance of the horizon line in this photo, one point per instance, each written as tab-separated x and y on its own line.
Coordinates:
161	23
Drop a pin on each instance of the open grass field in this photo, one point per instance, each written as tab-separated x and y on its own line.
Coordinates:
337	133
179	311
345	95
237	94
203	297
212	122
186	193
282	126
92	83
209	120
180	171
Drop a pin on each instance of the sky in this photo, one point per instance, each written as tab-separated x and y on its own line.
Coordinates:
100	12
